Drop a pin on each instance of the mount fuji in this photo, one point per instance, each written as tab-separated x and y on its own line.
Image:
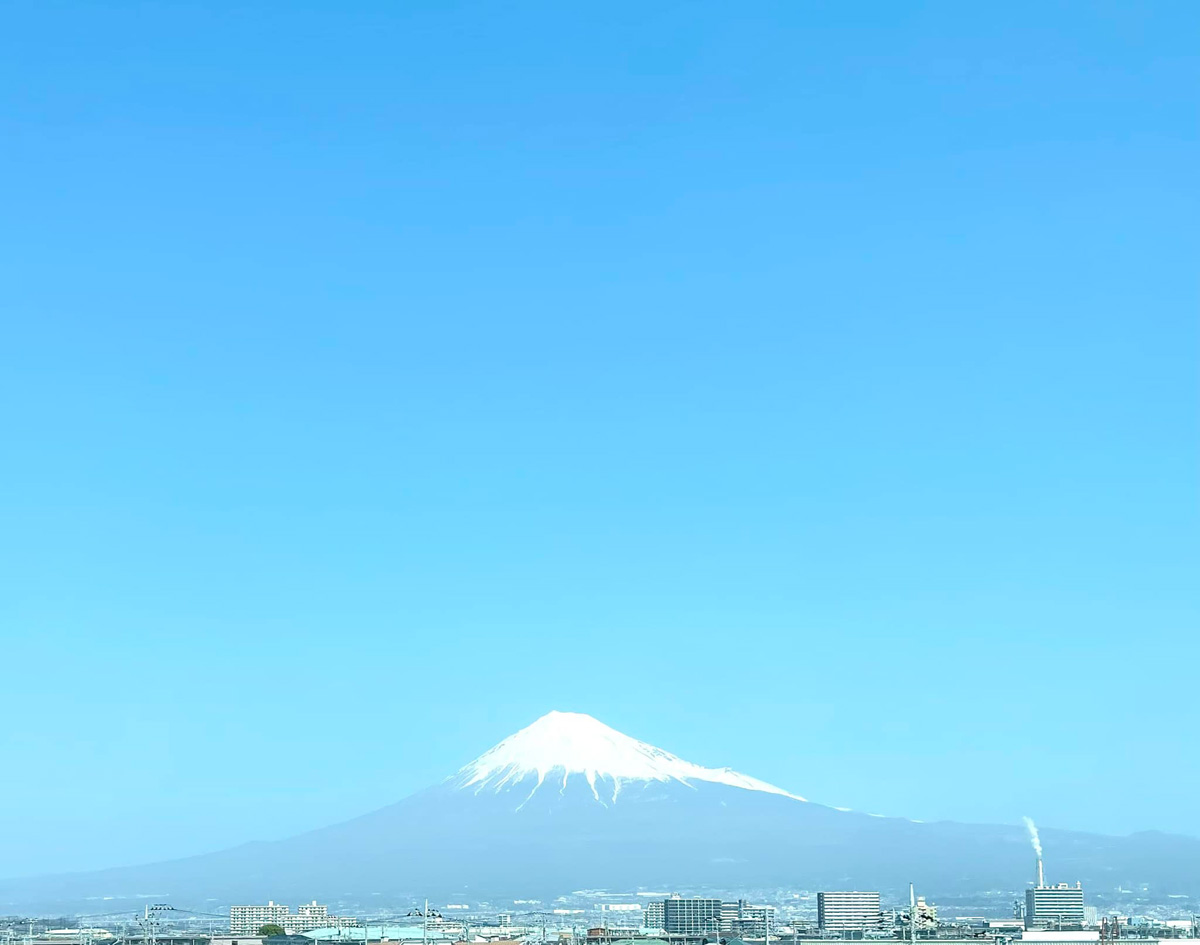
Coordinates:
569	803
562	746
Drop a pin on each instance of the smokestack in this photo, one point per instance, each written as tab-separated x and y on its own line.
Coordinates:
1037	847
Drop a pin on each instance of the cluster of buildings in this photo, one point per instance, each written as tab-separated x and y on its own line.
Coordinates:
1048	915
712	917
247	920
1059	907
1047	907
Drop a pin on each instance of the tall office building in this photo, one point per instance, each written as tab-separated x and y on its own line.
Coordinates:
848	911
692	916
1054	907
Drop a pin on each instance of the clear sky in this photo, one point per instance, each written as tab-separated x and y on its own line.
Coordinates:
809	388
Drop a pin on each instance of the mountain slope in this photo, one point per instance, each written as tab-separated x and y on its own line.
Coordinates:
569	803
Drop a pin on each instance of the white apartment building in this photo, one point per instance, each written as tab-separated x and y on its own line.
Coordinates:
708	917
851	910
247	920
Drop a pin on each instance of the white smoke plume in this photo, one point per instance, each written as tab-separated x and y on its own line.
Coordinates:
1033	836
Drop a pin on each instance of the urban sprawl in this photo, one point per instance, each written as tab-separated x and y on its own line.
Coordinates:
1048	914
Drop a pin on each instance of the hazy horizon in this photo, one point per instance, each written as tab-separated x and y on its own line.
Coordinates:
715	763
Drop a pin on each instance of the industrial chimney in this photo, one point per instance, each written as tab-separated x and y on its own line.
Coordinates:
1041	875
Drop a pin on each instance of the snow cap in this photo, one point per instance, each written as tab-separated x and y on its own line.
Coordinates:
567	743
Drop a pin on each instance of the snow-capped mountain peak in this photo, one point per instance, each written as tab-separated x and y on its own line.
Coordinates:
562	744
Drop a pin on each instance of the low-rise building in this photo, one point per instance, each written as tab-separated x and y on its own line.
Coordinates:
743	920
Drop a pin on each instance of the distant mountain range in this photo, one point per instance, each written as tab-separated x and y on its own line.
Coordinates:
569	803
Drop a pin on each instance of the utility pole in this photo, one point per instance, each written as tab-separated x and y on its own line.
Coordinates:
150	921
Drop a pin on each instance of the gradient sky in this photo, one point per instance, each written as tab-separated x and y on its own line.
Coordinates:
809	388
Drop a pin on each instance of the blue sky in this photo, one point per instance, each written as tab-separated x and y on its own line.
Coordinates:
809	388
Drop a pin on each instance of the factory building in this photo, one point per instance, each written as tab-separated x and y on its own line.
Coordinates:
848	911
1054	907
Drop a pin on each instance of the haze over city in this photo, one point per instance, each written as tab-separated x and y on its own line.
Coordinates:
807	390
